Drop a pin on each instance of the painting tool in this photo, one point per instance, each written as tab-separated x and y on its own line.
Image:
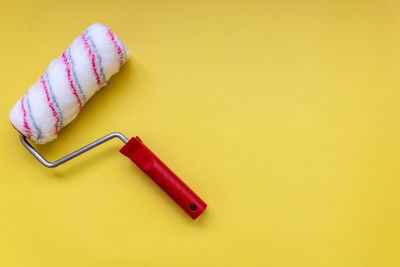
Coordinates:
61	92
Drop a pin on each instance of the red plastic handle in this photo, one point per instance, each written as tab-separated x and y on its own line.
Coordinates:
163	177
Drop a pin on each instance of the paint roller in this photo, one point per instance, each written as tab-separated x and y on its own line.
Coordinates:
64	88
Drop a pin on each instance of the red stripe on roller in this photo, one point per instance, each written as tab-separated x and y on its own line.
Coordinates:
92	57
71	83
50	104
27	129
117	47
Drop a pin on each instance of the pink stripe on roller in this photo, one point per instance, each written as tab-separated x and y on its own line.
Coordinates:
51	106
71	83
117	47
28	129
92	57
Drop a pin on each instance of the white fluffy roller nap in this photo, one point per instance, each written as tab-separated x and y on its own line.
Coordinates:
68	83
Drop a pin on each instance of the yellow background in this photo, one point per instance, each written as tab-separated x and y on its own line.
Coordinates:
283	115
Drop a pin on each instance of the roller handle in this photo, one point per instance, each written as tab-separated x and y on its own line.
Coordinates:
163	177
